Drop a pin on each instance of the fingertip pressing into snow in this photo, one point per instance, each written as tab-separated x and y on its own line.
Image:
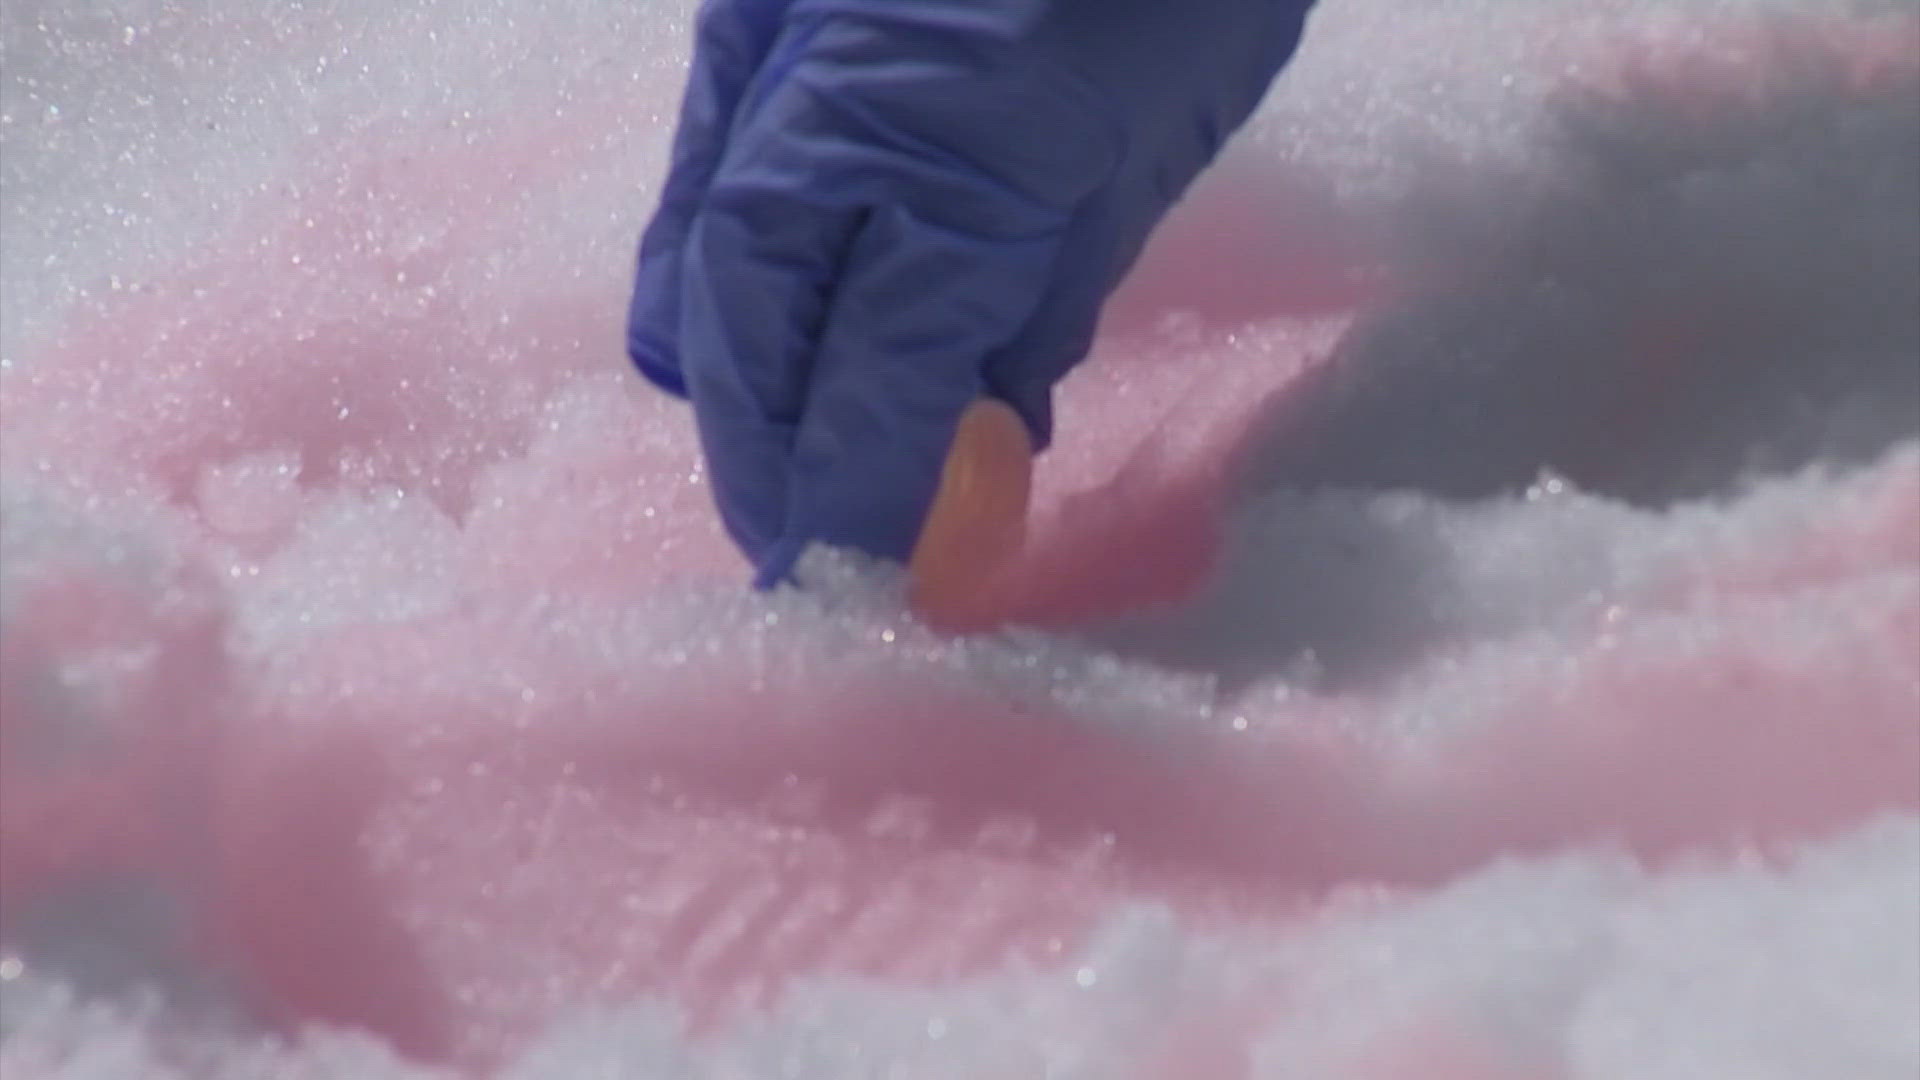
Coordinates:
1472	629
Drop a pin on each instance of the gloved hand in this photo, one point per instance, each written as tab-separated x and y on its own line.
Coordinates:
881	210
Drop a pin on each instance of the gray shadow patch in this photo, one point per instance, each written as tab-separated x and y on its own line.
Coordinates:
1694	288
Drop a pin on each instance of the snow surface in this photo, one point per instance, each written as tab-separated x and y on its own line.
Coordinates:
1473	629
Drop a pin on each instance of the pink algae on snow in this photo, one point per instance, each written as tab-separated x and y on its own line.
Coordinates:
403	649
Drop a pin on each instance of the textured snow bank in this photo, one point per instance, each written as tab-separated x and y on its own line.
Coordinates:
373	674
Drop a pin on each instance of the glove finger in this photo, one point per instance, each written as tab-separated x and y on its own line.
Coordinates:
760	268
918	310
732	39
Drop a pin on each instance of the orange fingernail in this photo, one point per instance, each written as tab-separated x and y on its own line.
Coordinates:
978	521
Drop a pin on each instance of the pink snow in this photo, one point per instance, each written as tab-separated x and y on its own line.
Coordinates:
450	826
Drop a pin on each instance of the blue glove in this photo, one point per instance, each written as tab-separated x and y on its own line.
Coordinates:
881	210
